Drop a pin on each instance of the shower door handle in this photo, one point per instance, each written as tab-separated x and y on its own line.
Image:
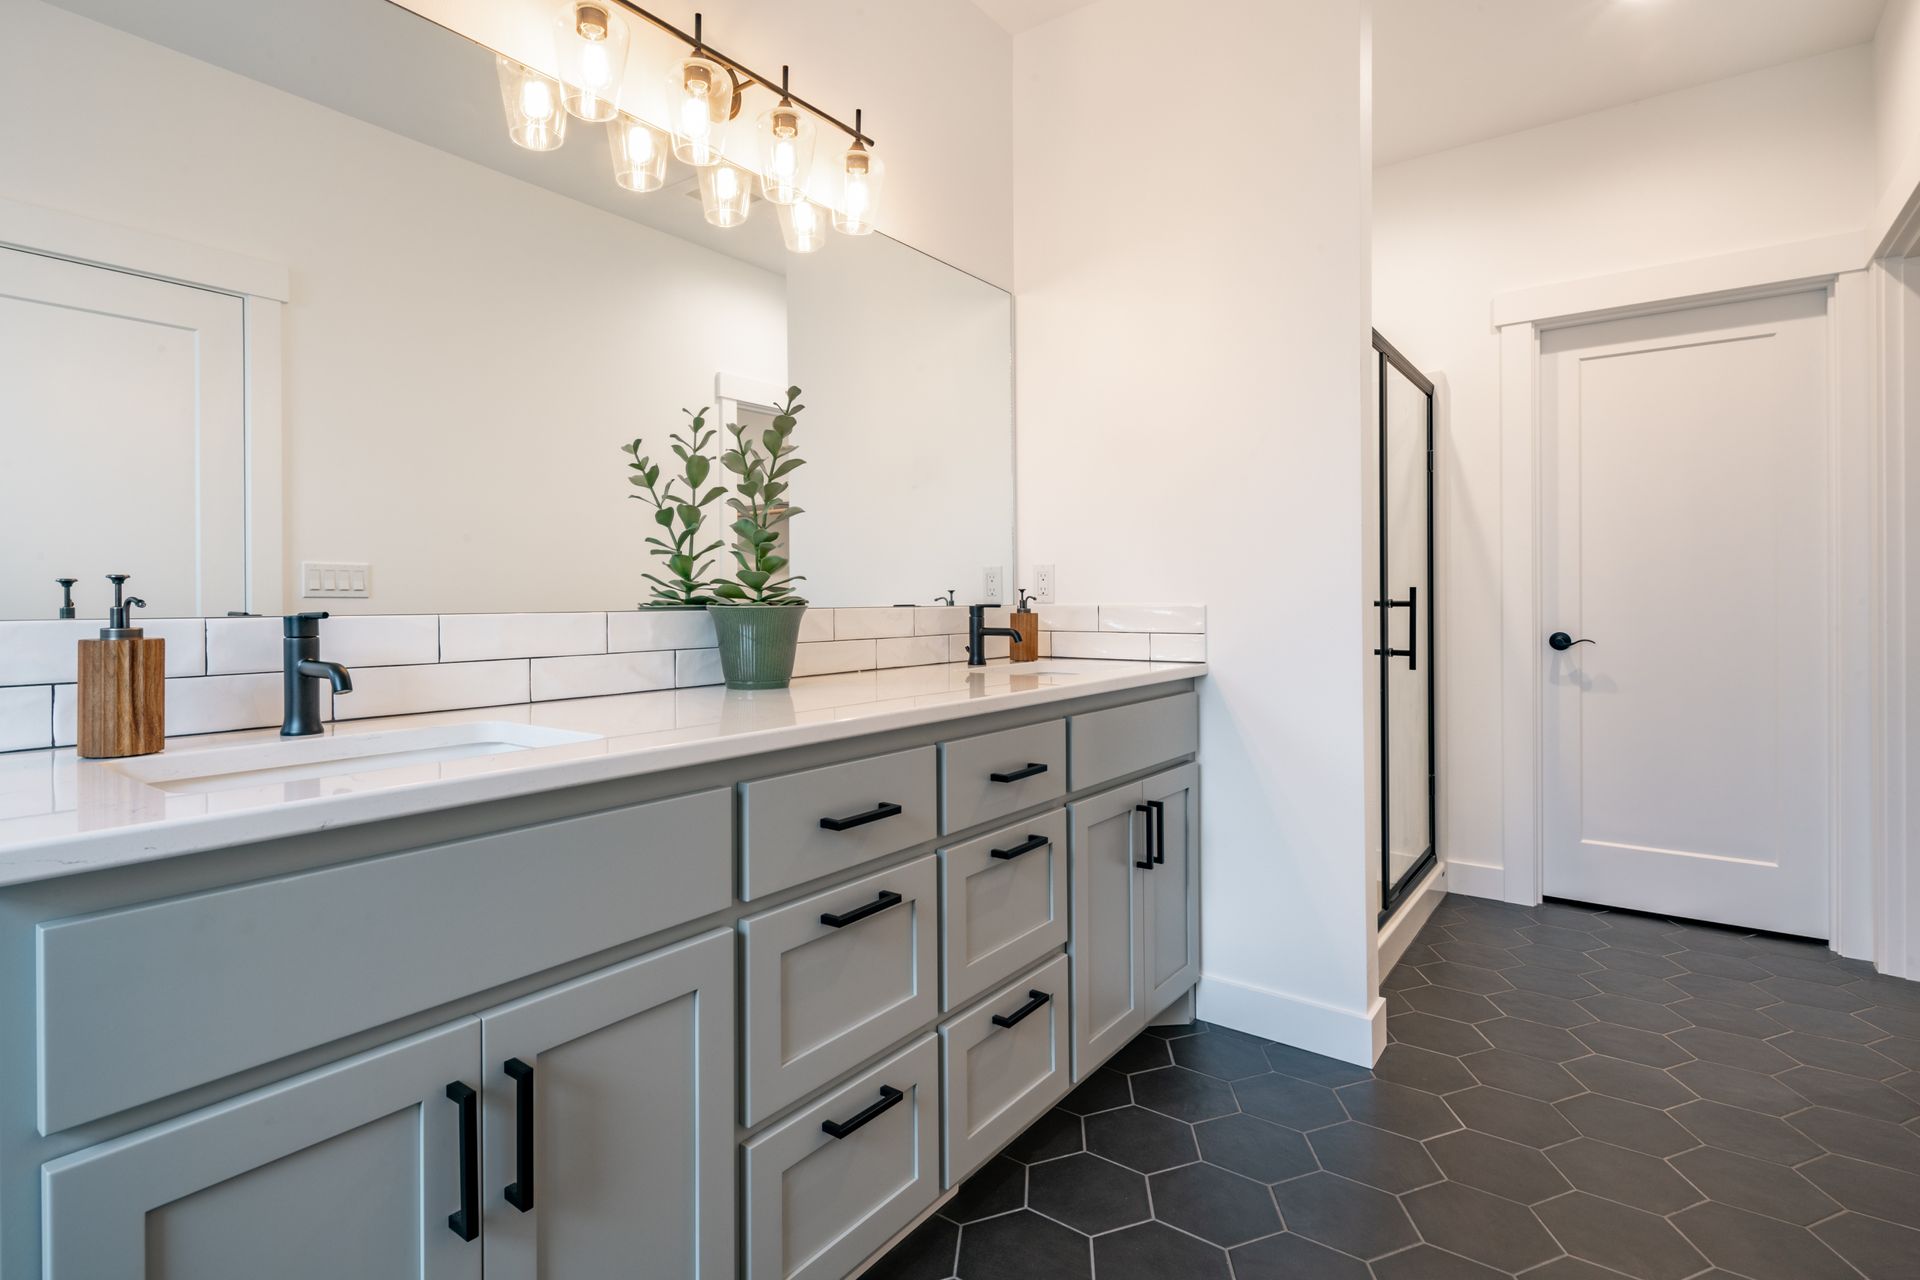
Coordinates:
1412	605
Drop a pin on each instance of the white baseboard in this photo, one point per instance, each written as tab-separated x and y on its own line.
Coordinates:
1347	1034
1398	933
1476	880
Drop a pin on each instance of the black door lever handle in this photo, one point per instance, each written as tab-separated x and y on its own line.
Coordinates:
1561	641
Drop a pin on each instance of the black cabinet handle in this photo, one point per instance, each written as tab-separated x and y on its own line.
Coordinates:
1025	846
520	1190
466	1221
1158	845
841	1128
1018	775
885	809
887	898
1034	1000
1147	863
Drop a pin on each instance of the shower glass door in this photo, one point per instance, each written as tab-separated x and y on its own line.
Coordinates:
1403	607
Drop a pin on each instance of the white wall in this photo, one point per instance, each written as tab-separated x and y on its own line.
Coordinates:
1896	109
1192	352
1772	157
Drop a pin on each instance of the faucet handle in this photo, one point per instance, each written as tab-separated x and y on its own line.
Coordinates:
303	626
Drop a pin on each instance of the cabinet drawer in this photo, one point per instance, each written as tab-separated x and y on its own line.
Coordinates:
1000	1079
821	996
993	775
1003	905
1103	745
782	840
817	1205
141	1002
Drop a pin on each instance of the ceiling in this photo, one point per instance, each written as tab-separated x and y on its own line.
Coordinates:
1450	72
1016	16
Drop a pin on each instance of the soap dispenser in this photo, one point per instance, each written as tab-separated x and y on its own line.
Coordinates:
123	686
1027	623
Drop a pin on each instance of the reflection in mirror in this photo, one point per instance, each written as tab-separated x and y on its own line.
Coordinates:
446	336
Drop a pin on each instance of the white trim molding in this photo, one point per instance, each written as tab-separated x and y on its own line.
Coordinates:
1862	512
1350	1035
1896	881
59	234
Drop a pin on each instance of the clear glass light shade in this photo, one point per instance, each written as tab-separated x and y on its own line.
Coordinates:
700	101
590	41
639	154
535	118
861	175
725	194
786	153
803	225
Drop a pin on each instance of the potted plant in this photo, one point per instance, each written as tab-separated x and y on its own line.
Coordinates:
680	512
757	615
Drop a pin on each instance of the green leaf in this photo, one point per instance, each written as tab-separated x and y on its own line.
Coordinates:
681	565
728	591
747	529
697	469
734	461
788	466
754	579
771	437
689	515
711	494
663	517
773	564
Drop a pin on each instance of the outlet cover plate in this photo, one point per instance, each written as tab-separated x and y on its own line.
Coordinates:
335	580
992	584
1043	583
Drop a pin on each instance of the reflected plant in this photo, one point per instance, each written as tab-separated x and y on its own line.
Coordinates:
679	508
761	468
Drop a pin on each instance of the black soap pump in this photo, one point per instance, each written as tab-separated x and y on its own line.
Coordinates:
66	597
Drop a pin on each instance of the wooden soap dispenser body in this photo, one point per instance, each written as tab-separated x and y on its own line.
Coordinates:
1027	623
123	686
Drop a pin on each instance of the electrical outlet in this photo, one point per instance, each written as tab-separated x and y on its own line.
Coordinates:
991	588
1043	583
335	581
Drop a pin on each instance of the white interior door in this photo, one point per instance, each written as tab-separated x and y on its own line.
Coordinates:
1686	765
123	411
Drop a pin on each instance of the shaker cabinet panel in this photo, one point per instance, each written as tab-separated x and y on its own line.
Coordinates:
995	774
1116	742
801	826
609	1122
1107	840
1173	886
358	1169
1003	904
1005	1061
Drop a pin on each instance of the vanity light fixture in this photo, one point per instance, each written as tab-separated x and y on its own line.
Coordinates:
803	225
701	94
639	153
590	41
861	173
535	119
786	148
726	194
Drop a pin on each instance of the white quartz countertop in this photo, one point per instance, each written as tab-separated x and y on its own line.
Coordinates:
61	815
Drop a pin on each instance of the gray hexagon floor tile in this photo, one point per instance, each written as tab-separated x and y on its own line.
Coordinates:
1567	1093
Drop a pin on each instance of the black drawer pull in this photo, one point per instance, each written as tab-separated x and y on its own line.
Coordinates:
1018	775
1034	1000
1159	844
520	1191
841	1128
1025	846
1147	863
886	809
887	898
465	1222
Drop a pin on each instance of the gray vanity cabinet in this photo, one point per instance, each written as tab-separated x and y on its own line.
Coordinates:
609	1122
351	1170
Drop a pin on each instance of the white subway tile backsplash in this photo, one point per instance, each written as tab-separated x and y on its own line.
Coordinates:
1177	648
695	667
828	656
381	639
26	717
659	629
44	651
447	686
1190	619
1069	617
594	674
480	637
816	625
997	647
911	651
197	704
239	645
939	620
869	624
1131	647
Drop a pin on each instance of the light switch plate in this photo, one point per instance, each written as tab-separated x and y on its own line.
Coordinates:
334	580
991	590
1043	583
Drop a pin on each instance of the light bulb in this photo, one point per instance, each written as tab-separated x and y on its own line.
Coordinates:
786	152
700	97
861	176
803	226
725	195
639	154
532	104
590	42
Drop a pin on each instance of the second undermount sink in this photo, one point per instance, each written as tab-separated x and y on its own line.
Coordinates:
296	759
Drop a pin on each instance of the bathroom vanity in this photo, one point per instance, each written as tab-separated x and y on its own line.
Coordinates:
679	984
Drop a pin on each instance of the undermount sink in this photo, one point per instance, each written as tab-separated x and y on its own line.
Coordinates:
330	755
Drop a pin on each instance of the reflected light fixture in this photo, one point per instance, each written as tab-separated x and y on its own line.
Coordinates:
726	193
861	173
803	225
701	97
590	43
786	148
639	154
535	119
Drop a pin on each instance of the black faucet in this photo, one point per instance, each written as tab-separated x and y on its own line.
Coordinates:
978	631
300	696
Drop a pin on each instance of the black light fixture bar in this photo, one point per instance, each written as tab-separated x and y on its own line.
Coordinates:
748	75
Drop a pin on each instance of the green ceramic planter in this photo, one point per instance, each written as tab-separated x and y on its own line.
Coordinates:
757	643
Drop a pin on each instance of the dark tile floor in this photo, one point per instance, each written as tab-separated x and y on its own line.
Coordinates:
1567	1094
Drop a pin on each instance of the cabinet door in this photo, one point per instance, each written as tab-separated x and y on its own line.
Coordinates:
1109	913
351	1170
1173	886
609	1122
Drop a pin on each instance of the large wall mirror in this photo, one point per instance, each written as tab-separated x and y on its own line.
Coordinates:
468	333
